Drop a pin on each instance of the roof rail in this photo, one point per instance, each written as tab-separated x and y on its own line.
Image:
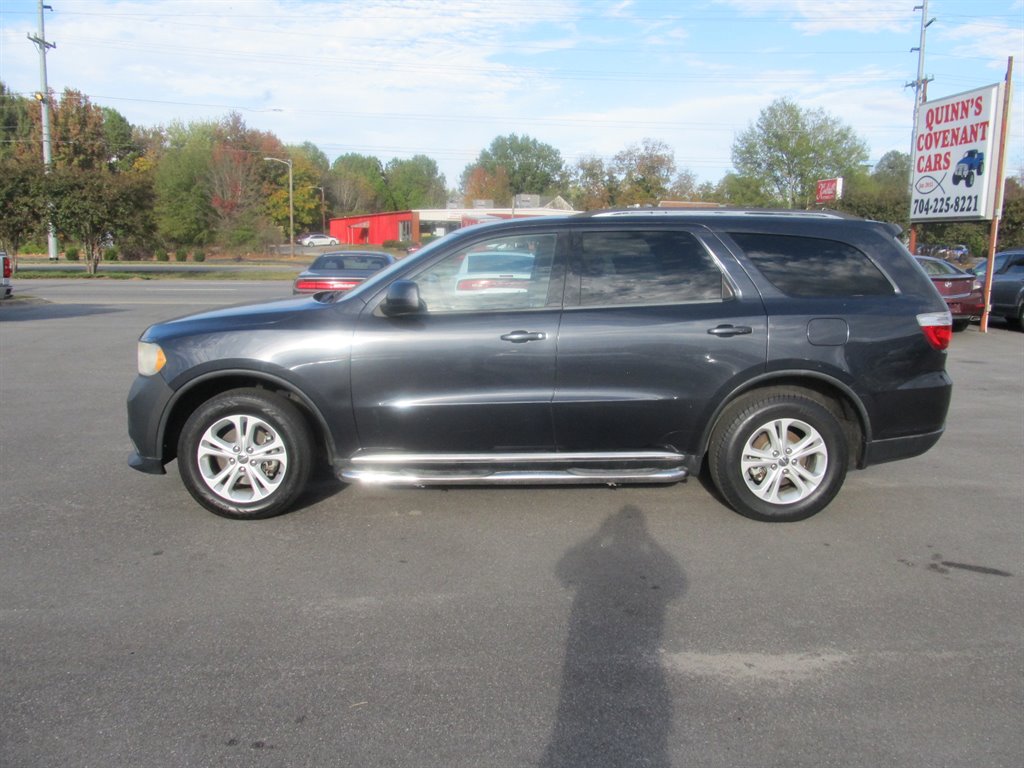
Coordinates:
703	212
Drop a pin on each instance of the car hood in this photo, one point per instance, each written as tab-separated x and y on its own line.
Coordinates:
236	318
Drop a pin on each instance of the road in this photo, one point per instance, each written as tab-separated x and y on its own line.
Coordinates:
490	627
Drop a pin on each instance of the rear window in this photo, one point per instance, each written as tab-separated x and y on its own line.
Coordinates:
644	267
346	261
813	267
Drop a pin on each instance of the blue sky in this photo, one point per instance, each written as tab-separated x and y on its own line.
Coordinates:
395	78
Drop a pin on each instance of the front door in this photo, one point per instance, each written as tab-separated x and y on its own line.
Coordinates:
474	371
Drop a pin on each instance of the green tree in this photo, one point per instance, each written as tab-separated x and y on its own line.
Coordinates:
22	206
531	166
788	149
16	127
416	183
358	184
93	206
122	149
183	211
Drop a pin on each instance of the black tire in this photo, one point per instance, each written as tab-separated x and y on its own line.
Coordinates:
754	426
969	179
221	443
961	325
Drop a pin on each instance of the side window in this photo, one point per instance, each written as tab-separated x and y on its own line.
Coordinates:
499	274
1016	265
813	267
645	267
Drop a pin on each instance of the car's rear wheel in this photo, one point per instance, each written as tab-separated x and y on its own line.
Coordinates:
245	454
778	455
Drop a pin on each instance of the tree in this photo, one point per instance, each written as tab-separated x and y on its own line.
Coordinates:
22	206
685	186
77	131
358	184
416	183
530	166
481	184
790	148
16	126
96	205
643	172
183	210
591	185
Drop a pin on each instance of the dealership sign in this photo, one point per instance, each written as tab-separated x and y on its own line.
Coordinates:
955	157
830	190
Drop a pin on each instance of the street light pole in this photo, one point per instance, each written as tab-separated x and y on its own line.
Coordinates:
291	203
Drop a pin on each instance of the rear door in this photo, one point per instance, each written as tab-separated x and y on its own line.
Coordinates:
660	323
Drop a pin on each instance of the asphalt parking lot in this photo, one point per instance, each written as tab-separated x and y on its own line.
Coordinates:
477	627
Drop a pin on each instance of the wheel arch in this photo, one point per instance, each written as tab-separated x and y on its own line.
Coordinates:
200	389
826	390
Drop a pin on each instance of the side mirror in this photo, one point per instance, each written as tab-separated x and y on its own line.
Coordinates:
403	298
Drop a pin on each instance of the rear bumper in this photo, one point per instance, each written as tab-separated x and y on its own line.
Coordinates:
893	449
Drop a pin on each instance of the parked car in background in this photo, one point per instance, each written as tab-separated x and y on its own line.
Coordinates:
1008	286
6	267
494	272
962	290
779	350
318	239
1000	262
340	271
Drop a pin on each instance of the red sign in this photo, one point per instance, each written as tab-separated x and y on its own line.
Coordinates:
830	190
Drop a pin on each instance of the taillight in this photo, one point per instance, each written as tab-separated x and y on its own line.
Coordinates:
483	283
937	328
7	267
326	284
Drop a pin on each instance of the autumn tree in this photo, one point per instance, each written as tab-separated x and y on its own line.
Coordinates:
643	173
481	184
789	148
590	184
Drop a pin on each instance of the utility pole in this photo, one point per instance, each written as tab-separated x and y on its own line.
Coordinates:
920	86
43	97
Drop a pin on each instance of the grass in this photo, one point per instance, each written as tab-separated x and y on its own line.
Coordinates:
184	274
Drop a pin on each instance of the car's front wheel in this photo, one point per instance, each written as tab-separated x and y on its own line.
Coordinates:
778	455
245	454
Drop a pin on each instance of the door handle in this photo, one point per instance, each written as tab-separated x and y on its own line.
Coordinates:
520	337
730	330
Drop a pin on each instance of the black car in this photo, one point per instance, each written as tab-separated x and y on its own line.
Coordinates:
340	271
779	348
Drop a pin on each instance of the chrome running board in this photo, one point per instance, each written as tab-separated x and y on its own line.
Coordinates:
515	468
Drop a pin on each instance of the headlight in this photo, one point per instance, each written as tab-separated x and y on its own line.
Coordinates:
151	358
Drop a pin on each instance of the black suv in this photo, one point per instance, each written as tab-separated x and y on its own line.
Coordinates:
616	347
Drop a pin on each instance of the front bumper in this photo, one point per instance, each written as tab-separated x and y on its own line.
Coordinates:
147	404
